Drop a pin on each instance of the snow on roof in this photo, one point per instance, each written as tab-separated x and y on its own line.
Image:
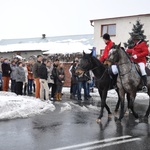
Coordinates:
66	44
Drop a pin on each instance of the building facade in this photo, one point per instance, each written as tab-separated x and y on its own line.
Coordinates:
118	28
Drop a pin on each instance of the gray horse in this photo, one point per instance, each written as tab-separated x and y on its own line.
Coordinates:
129	79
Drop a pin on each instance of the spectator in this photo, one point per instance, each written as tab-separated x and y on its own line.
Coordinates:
24	65
6	70
82	83
89	82
60	81
13	67
50	77
36	67
74	81
54	74
43	80
20	78
30	76
1	81
73	66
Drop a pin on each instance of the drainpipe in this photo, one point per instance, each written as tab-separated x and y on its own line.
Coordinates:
91	23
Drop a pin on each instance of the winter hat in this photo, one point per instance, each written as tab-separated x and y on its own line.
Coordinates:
106	36
136	37
20	62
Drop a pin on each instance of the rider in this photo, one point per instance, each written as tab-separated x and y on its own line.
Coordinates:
109	44
113	70
139	53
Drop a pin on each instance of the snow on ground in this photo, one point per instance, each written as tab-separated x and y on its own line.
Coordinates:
13	106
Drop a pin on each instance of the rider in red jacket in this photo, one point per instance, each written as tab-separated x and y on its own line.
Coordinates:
139	53
109	44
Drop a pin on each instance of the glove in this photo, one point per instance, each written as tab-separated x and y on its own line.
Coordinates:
134	56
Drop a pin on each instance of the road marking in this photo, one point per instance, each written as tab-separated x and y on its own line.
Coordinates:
110	144
94	142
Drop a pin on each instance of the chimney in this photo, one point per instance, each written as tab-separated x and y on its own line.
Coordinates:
43	36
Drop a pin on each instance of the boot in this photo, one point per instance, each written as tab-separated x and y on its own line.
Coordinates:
57	96
115	81
144	88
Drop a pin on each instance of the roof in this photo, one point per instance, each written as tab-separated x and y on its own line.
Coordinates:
62	39
119	17
54	44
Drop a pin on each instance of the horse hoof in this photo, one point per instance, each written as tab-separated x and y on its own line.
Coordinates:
98	120
137	116
117	120
126	114
116	113
138	120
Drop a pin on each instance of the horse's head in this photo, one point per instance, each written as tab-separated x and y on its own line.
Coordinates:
85	63
113	55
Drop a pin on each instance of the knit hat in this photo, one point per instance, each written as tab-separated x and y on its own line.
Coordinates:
136	37
106	36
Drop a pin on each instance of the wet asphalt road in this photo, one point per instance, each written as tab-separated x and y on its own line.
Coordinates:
75	128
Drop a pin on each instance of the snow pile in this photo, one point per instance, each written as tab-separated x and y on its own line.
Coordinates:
13	106
65	107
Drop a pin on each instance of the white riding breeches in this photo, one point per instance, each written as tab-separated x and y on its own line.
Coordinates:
114	69
142	68
141	65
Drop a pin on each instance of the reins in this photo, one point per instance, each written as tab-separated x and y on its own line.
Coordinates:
97	79
125	63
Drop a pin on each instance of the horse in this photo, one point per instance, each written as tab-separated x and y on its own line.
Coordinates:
128	80
102	79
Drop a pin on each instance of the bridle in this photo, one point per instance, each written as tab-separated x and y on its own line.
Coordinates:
119	64
97	79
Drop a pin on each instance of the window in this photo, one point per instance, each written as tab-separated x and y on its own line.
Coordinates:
110	29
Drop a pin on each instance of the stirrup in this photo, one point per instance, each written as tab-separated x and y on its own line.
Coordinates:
144	89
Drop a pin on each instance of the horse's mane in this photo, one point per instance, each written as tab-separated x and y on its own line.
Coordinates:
98	63
123	49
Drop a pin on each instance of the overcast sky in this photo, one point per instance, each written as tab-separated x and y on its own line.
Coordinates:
32	18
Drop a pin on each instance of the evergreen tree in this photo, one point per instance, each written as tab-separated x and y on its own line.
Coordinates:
136	30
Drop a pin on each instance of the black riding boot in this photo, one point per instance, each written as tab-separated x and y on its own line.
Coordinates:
144	88
113	79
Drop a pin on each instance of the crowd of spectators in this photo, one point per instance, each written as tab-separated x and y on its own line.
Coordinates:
42	77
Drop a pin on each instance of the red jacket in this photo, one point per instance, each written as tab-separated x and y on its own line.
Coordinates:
141	50
109	44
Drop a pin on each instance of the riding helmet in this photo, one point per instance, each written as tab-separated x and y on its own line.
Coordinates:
106	36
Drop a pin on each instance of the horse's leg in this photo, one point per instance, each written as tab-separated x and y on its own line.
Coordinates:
128	99
122	109
103	95
128	104
122	98
118	103
131	104
148	110
108	109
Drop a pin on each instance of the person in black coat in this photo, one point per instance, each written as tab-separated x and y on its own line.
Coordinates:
43	75
54	75
6	70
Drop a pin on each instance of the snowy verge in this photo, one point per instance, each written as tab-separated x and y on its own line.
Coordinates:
13	106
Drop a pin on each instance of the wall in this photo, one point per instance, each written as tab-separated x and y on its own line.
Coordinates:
123	27
67	74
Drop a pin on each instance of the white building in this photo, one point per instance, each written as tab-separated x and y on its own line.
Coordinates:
118	28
